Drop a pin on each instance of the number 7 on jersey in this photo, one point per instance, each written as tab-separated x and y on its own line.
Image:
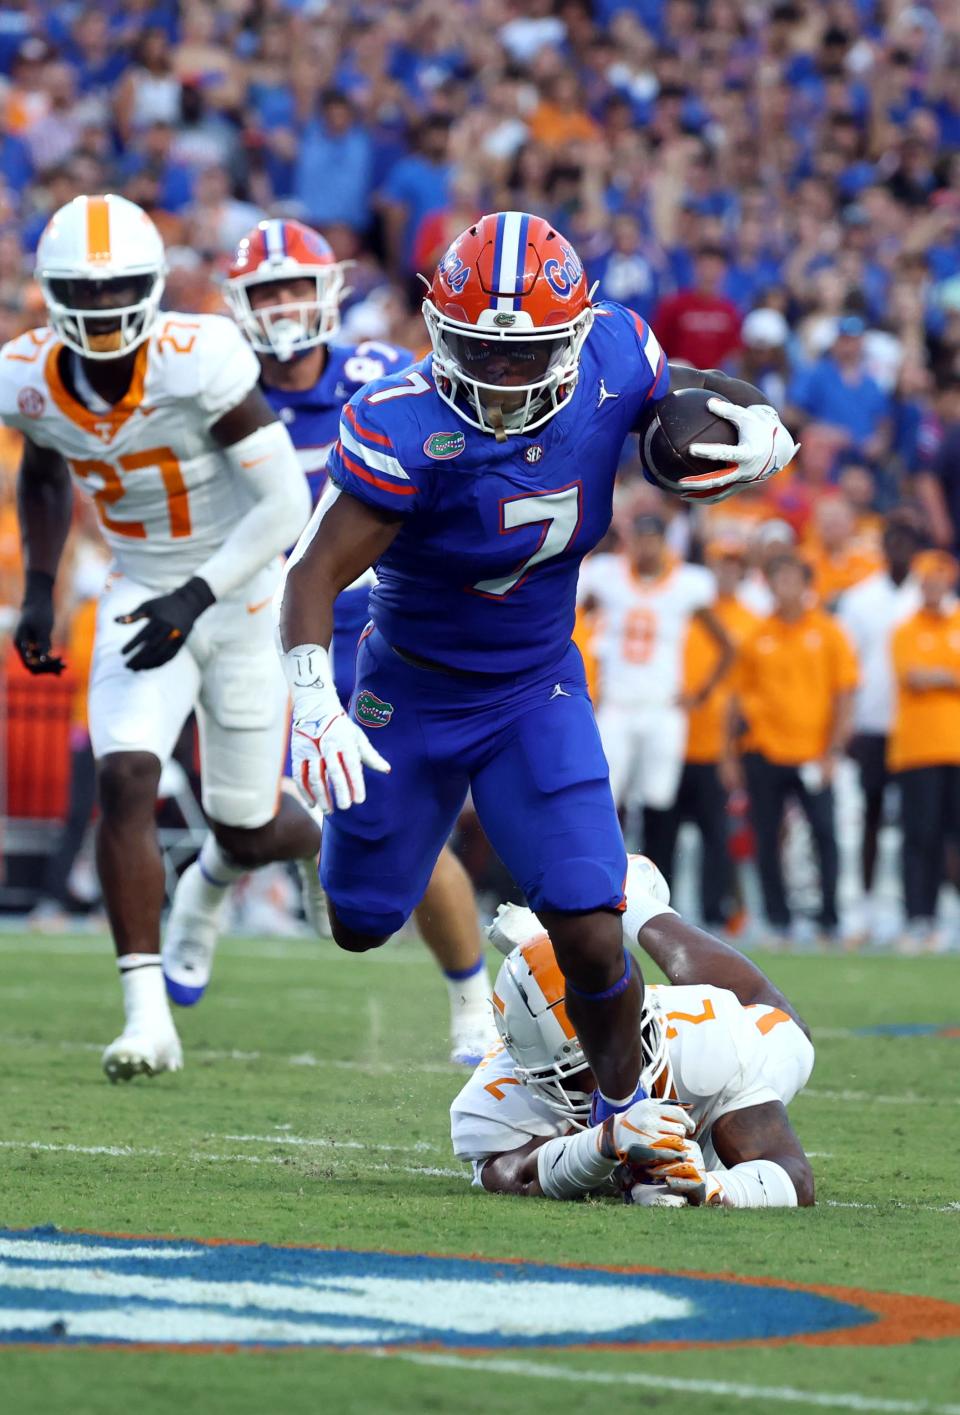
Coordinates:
559	512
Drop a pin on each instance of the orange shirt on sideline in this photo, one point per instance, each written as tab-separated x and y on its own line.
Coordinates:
787	677
832	574
584	629
705	723
926	722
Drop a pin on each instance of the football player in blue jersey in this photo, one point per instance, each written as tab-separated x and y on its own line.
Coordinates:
476	481
284	288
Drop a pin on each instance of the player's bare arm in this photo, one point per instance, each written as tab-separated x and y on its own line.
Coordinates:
329	751
340	544
764	1132
688	955
44	502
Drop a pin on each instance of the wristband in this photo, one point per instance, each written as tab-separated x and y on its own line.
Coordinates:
309	675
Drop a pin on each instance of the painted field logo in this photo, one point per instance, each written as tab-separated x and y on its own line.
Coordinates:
371	710
441	445
74	1289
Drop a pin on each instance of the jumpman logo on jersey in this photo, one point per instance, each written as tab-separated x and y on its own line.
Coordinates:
558	692
604	395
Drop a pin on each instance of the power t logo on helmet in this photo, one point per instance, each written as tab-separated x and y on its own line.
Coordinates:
507	313
101	267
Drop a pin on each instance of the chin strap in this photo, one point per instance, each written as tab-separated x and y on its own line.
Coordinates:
495	415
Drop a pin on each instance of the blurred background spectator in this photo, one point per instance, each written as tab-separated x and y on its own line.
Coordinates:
775	186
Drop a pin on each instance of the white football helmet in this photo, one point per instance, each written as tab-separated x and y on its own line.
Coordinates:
529	1008
275	252
101	267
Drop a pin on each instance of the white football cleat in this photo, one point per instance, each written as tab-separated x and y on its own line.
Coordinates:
314	898
472	1034
142	1054
190	939
513	925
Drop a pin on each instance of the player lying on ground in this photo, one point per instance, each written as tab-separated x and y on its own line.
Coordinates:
724	1053
284	287
477	481
160	419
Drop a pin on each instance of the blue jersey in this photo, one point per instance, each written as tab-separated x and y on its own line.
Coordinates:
312	416
483	574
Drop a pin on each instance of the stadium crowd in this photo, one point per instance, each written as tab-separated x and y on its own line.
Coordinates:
775	186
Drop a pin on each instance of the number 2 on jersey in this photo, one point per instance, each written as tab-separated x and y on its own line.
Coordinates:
559	513
112	489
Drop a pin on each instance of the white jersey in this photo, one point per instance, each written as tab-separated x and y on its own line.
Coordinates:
870	612
724	1057
166	492
643	627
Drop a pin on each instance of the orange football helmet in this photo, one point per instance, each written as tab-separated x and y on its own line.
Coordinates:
507	311
276	252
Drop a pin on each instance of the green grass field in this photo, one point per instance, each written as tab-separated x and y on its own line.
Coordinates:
313	1110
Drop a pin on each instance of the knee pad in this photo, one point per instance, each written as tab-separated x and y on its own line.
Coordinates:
578	885
365	923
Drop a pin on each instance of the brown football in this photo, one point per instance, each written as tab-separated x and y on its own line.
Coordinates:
682	419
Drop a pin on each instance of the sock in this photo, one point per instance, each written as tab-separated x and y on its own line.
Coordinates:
572	1165
217	872
601	1106
144	991
468	987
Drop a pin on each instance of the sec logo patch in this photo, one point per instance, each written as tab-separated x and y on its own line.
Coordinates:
534	452
31	402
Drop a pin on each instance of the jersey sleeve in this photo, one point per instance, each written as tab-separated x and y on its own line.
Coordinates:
494	1113
642	368
226	368
368	461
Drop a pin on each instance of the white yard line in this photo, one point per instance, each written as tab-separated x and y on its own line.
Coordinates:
826	1400
201	1156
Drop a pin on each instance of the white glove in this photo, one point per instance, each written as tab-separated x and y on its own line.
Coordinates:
765	447
649	1133
329	751
688	1177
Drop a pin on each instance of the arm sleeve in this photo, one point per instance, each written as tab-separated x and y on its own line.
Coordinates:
266	464
365	462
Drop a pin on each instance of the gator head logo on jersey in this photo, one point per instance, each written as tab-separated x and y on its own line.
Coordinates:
371	710
507	311
284	287
442	445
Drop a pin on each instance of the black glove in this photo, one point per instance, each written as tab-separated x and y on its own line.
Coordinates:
34	630
170	617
